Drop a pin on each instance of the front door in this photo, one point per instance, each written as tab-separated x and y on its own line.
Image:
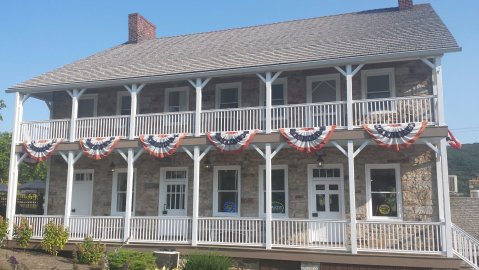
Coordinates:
82	193
326	202
173	192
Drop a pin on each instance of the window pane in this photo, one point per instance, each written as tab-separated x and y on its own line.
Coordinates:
323	91
320	187
227	180
378	83
315	172
277	179
120	202
320	202
229	98
334	203
177	101
384	205
277	95
333	187
121	185
85	107
278	200
383	180
228	202
125	108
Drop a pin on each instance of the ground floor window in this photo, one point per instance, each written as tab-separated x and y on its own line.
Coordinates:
279	190
118	200
384	190
226	193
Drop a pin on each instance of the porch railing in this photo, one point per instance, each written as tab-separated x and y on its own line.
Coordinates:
37	223
399	236
248	118
105	126
301	233
44	130
160	229
102	228
165	123
231	231
465	246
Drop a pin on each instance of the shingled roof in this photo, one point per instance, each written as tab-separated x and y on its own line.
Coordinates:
345	36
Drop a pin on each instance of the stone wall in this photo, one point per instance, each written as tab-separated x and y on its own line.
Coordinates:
417	169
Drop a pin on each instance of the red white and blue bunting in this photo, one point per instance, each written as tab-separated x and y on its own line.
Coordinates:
396	136
40	150
163	145
231	141
307	140
453	142
98	148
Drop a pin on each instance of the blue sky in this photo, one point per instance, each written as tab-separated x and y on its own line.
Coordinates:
38	36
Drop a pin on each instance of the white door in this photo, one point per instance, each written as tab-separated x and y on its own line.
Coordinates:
82	193
173	192
326	203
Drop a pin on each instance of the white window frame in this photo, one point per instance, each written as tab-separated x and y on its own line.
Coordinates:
95	102
114	191
215	191
92	171
377	72
261	171
324	77
396	167
262	96
312	182
185	89
119	96
163	181
221	86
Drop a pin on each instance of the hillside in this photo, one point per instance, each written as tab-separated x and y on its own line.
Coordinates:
465	164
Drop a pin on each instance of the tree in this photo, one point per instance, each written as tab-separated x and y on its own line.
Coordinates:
2	106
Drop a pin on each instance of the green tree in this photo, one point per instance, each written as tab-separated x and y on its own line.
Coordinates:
2	106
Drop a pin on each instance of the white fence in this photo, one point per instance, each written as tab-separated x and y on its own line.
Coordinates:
303	233
165	123
233	119
231	231
37	223
414	237
160	229
44	130
465	246
105	126
99	228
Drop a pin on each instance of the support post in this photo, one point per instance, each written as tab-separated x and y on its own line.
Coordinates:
129	193
268	102
196	195
69	191
445	196
198	85
349	96
352	197
269	230
75	95
440	92
134	91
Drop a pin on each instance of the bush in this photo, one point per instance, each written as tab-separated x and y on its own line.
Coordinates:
3	230
131	260
209	261
23	233
54	238
89	252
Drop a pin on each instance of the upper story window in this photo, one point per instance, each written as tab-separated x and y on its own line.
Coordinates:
226	194
384	191
176	99
323	88
228	95
124	103
279	93
87	105
378	83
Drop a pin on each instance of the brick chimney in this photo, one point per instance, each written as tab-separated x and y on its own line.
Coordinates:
405	4
140	29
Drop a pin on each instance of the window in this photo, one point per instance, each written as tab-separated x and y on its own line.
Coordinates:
226	196
279	190
279	92
228	95
176	99
84	176
384	184
118	201
378	83
87	105
123	103
323	88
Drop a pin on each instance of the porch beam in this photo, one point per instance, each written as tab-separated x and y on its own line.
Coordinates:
208	148
352	197
138	154
363	145
340	148
430	145
22	157
276	151
25	98
258	150
122	154
199	84
188	152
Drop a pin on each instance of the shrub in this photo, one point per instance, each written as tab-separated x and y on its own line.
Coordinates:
54	238
23	233
131	260
208	261
3	230
89	252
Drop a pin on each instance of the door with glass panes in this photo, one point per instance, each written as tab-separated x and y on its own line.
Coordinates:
173	192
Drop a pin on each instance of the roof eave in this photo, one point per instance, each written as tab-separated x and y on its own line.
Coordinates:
238	71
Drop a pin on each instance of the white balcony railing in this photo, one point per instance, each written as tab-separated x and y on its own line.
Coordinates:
160	229
420	237
105	126
165	123
303	233
465	246
37	223
99	228
231	231
233	119
44	130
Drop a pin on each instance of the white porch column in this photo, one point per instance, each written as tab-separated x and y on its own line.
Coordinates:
352	197
198	85
445	196
71	159
269	216
75	94
268	80
12	193
349	74
438	89
134	91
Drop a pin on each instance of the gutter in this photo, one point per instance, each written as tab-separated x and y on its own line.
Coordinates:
239	71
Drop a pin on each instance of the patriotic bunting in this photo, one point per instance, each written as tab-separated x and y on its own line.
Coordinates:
163	145
307	140
231	141
40	150
453	142
396	136
98	148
